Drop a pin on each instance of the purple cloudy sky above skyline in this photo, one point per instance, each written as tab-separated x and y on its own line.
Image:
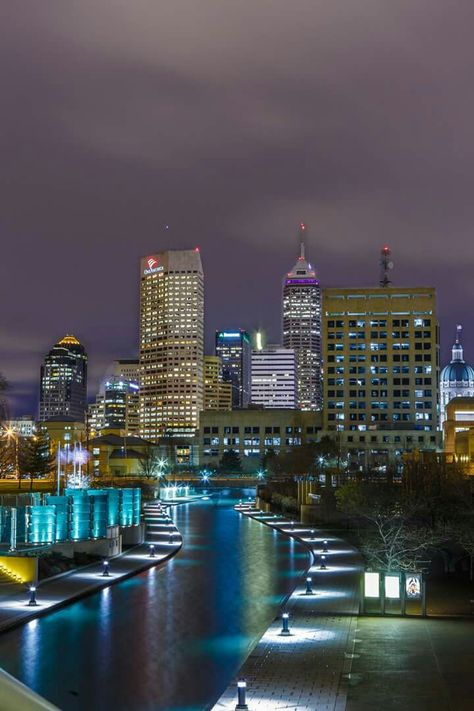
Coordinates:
230	122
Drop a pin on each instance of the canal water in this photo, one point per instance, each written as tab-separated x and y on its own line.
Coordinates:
171	638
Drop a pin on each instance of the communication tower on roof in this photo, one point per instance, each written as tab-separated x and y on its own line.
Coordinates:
386	265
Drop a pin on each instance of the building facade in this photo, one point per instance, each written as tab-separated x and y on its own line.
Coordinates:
381	354
457	378
234	350
302	329
126	368
116	407
63	381
171	343
217	393
24	426
252	432
274	377
459	432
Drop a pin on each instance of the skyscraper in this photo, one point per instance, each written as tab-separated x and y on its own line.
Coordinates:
233	348
302	328
381	355
171	343
63	381
116	407
274	377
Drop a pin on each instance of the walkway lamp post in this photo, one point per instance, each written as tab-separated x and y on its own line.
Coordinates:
325	546
313	534
285	630
309	586
292	525
323	563
241	695
105	569
32	601
152	551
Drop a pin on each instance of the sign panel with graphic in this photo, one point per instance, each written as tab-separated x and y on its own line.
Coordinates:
413	586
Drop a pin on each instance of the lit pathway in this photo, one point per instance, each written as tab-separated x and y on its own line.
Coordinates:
306	670
160	532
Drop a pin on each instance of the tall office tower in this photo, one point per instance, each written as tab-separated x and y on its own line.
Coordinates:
381	350
217	393
116	407
457	378
233	348
302	328
171	343
63	381
274	377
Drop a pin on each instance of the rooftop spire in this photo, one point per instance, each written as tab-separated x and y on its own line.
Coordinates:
458	351
302	234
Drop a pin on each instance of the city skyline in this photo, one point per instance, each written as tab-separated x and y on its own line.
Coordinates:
25	401
119	144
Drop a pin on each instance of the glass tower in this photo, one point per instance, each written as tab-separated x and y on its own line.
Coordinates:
233	348
63	381
302	328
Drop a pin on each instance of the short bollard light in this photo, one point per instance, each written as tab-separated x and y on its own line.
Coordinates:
292	525
241	695
152	551
105	569
325	546
32	601
309	586
313	534
285	630
323	563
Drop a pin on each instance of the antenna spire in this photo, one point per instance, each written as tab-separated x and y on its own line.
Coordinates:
386	265
302	235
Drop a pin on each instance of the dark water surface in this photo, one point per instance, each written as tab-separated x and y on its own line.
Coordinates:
170	638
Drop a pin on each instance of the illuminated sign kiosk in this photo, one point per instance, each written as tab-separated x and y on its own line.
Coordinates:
383	587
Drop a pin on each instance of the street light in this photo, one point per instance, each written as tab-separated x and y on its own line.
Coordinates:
325	546
32	601
323	563
241	695
105	569
285	630
152	551
313	534
309	587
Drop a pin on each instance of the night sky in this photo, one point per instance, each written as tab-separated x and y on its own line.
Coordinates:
229	122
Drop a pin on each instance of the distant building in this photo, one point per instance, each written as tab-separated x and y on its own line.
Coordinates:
233	348
126	368
251	433
63	431
24	426
457	378
381	356
171	343
459	432
302	328
274	377
115	455
217	393
63	382
116	407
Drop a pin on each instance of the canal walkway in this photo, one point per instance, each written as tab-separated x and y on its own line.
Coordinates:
310	668
162	540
